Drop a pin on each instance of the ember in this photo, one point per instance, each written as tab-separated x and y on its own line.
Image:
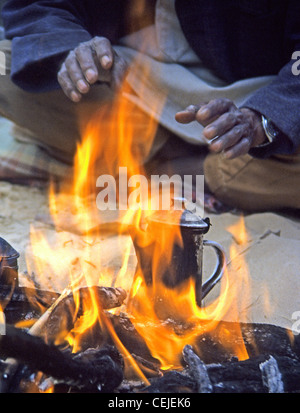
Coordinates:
273	365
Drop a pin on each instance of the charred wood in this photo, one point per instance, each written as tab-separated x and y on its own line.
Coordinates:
63	317
249	376
101	370
271	376
246	376
148	368
96	370
172	382
198	370
259	339
23	303
124	329
273	364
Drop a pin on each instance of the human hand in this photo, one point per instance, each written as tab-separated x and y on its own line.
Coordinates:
86	64
228	129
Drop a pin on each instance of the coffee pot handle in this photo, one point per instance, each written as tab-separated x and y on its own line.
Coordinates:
219	270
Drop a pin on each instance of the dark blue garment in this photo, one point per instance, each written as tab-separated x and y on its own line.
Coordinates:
237	39
240	39
43	32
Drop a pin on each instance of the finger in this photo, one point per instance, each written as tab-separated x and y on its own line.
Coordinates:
241	148
67	85
222	124
118	72
86	60
229	139
214	109
104	52
75	73
187	115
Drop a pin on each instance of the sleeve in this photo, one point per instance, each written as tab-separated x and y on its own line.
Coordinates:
280	100
42	34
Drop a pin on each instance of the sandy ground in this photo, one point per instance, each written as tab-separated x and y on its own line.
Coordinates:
19	207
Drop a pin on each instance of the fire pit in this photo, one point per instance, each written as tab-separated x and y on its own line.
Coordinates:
39	358
150	331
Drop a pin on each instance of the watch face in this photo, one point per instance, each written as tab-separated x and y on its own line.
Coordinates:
271	128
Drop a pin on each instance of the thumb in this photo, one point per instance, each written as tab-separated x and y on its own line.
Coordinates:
187	115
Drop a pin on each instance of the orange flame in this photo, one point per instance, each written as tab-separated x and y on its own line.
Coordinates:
168	319
119	135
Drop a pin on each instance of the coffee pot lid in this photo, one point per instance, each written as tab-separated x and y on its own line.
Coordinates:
184	218
6	250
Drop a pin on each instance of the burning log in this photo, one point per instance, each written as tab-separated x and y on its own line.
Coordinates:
259	339
267	372
101	369
22	303
273	364
172	382
56	317
261	374
248	375
97	370
63	316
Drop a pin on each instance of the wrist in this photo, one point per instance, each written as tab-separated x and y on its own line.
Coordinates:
259	136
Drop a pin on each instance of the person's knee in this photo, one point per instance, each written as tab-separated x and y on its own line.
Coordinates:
254	184
234	182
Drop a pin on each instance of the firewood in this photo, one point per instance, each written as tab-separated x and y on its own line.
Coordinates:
98	370
198	370
62	318
259	339
107	298
23	303
271	375
246	376
148	368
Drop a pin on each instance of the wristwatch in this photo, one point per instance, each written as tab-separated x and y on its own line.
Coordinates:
270	129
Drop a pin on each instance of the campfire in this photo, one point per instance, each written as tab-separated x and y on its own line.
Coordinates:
151	326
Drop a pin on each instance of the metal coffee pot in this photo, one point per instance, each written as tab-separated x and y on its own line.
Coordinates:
186	258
